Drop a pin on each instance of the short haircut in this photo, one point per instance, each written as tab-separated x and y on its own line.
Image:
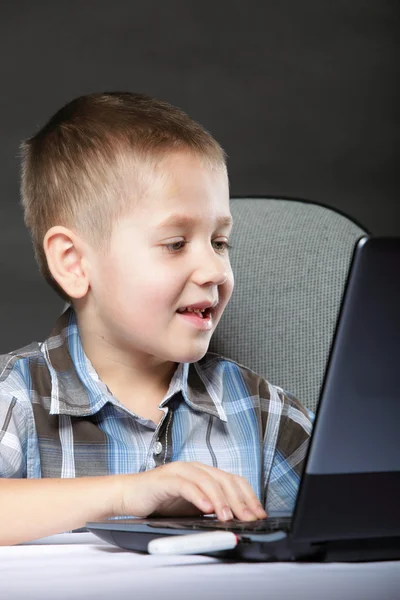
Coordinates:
75	167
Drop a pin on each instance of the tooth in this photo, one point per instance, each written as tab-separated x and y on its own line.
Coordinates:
198	311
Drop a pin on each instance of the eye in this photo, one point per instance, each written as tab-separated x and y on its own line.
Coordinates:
221	245
175	246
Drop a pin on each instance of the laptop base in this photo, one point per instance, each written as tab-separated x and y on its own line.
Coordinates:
134	535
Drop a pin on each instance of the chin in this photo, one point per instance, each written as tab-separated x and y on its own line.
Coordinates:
191	356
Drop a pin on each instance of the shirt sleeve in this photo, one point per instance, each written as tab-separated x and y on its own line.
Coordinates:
13	437
285	446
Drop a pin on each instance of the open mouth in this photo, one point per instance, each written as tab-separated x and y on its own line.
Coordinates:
201	313
200	318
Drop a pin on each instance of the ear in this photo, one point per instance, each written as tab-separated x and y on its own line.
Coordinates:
65	253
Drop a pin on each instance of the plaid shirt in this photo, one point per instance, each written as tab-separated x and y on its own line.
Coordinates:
58	419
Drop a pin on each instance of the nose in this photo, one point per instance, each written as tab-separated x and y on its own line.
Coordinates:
211	269
212	278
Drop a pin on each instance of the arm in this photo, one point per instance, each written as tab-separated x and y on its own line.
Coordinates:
33	508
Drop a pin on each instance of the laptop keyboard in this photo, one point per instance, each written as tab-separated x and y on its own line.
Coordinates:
263	525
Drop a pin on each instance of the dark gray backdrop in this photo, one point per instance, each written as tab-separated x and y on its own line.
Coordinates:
301	94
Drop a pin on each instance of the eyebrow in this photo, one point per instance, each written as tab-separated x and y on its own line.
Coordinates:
187	221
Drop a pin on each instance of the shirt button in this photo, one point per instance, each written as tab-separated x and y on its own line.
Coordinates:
157	448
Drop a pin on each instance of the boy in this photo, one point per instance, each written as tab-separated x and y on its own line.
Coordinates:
127	203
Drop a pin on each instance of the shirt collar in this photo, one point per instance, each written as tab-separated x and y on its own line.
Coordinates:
78	391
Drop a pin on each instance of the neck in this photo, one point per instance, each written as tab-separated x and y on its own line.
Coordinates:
137	380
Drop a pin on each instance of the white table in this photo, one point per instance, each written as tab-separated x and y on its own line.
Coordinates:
80	566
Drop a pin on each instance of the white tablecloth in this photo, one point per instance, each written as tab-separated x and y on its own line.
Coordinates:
80	566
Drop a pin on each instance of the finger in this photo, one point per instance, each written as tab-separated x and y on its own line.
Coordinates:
215	492
181	487
251	499
239	494
236	497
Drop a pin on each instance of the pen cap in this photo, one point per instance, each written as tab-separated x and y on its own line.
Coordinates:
194	543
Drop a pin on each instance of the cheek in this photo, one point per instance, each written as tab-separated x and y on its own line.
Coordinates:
227	288
142	286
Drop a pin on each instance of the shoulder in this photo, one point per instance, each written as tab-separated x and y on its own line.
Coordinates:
251	382
236	381
16	367
213	361
243	381
16	410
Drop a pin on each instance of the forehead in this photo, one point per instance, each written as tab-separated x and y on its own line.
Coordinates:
183	184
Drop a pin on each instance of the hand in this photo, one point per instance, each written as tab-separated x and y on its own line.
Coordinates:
188	488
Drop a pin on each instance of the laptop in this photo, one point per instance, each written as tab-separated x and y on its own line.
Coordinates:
348	504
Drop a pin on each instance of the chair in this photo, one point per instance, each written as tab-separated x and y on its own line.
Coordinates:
290	259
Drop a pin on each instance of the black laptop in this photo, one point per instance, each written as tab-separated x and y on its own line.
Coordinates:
348	505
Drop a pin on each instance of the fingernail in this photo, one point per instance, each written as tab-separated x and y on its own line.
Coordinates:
248	514
227	514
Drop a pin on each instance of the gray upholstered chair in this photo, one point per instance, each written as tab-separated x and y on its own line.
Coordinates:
290	259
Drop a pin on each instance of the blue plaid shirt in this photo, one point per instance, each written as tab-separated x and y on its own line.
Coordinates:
58	419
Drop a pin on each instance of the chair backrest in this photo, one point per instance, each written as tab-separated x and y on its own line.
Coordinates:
290	259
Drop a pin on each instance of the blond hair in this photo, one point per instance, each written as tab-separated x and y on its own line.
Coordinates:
73	169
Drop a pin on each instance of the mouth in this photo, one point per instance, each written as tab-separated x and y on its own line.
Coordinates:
202	318
202	313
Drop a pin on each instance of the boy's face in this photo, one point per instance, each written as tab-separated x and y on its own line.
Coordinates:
167	255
